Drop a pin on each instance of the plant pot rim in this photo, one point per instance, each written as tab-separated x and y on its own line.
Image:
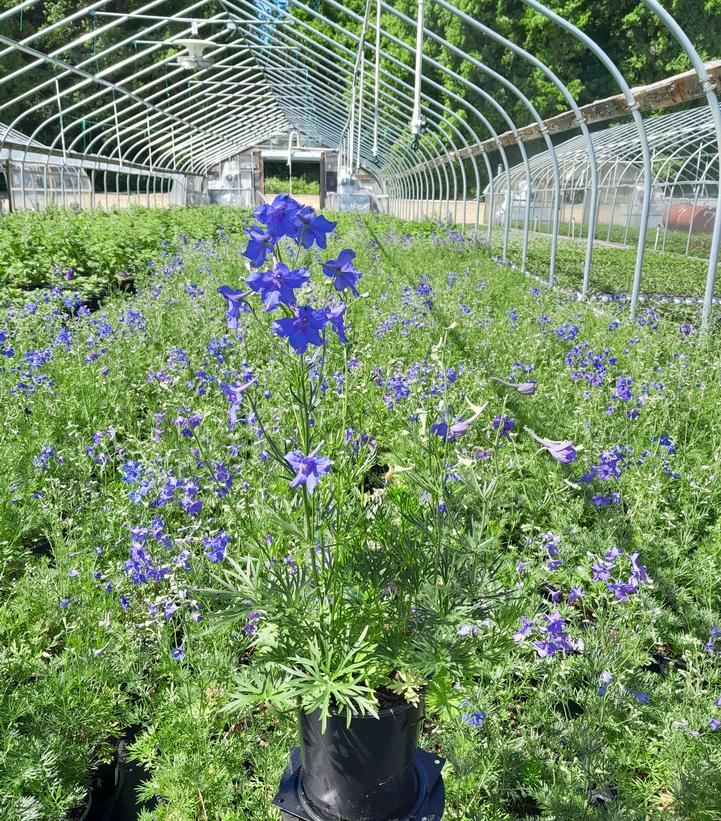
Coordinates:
384	713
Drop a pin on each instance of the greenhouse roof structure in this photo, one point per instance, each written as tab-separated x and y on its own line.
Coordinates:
166	90
683	151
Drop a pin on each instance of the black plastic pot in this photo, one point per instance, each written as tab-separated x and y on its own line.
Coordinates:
363	772
113	792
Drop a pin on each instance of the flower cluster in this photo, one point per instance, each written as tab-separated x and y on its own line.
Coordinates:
215	546
303	325
609	467
588	365
42	461
622	578
551	631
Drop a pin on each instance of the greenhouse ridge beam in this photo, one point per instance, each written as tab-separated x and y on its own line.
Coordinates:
679	88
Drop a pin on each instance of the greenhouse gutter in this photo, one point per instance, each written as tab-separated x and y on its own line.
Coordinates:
680	88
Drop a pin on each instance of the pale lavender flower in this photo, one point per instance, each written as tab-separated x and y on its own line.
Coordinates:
605	679
524	388
563	452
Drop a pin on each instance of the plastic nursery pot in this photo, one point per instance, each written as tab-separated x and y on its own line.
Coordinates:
365	771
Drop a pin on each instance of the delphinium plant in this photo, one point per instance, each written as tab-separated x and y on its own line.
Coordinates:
355	597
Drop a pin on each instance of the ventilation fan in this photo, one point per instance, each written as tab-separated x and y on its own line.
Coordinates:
194	58
195	48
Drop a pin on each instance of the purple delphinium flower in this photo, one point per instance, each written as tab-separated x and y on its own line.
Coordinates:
260	246
215	546
475	719
468	630
279	216
336	319
563	452
303	329
551	543
233	392
64	603
575	594
613	554
642	698
524	388
714	724
605	679
503	424
623	388
455	431
251	626
458	428
524	630
342	271
312	227
236	302
714	633
308	468
717	703
177	653
554	637
276	287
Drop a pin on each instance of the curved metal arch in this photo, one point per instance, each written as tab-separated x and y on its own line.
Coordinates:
460	100
554	79
331	60
110	86
392	59
337	134
620	80
471	108
534	114
173	105
115	133
240	134
89	79
713	104
77	42
347	72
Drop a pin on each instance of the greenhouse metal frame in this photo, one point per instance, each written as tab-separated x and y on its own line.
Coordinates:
162	111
